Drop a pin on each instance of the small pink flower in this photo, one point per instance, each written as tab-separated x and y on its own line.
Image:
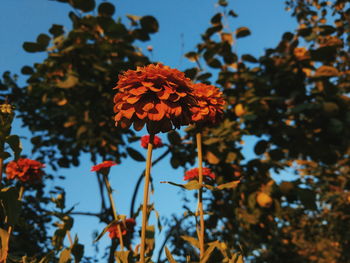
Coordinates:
103	165
157	142
194	175
128	227
25	170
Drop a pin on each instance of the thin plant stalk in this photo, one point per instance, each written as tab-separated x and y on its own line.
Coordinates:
200	195
114	209
146	197
20	196
1	170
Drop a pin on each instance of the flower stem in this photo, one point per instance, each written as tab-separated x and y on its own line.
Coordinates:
9	230
114	209
200	198
1	170
145	198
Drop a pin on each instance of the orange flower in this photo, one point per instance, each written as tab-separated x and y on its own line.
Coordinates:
210	103
103	165
157	142
128	227
193	174
155	95
25	170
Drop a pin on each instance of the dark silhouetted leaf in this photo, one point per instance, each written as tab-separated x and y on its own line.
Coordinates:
106	9
84	5
149	24
249	58
242	32
135	155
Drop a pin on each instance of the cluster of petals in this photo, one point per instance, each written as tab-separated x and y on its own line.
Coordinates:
25	170
157	142
156	96
193	174
125	228
103	165
210	104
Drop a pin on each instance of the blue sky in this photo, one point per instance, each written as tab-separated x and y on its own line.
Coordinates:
181	23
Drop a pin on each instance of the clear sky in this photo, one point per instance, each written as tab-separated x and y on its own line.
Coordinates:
181	24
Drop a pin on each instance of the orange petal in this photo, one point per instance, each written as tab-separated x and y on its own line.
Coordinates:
128	113
148	106
163	95
141	115
138	91
133	100
147	84
155	89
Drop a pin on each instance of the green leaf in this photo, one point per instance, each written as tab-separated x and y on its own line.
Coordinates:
106	9
5	155
193	241
230	185
192	185
261	147
222	3
174	138
56	30
216	19
122	256
43	40
77	251
32	47
249	58
214	63
65	256
26	70
11	204
242	32
150	241
15	145
135	155
120	218
84	5
307	198
169	256
149	24
4	235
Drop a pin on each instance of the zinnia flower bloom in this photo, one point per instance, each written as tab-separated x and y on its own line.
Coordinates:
210	103
103	165
128	227
157	142
194	175
25	170
155	95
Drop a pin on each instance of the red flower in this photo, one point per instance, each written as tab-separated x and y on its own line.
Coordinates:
210	103
25	170
155	95
194	175
103	165
128	227
157	142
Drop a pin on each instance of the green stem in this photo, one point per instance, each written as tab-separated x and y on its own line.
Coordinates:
114	209
200	196
145	198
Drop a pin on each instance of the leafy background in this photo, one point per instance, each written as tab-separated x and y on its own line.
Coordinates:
271	82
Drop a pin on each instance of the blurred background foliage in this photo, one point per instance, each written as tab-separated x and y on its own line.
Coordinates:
293	100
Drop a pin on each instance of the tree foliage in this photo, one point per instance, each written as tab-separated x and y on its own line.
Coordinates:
292	100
